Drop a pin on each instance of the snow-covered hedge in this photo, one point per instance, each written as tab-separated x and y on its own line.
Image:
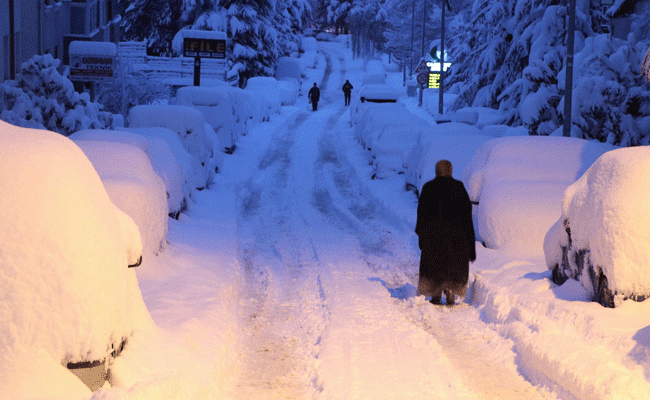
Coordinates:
190	126
67	292
507	177
133	186
42	98
608	216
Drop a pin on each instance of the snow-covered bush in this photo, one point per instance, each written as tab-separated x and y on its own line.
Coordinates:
602	235
188	123
121	94
67	292
42	98
173	166
133	186
507	177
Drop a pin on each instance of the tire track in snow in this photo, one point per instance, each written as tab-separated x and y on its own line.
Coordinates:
465	339
285	309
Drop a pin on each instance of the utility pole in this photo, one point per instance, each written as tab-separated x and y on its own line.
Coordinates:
12	41
568	94
412	34
424	23
441	88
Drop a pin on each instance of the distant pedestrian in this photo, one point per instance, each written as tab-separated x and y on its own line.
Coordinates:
446	236
347	92
314	96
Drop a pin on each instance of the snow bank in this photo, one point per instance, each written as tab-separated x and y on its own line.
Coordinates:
167	163
508	176
67	292
608	215
133	186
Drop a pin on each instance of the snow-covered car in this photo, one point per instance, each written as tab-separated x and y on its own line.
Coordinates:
325	37
387	132
265	89
166	153
133	186
68	295
518	184
216	107
190	126
601	239
371	94
441	142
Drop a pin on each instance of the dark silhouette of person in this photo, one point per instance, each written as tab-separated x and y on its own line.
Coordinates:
347	92
314	96
446	236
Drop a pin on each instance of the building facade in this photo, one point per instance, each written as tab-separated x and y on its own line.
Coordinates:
30	27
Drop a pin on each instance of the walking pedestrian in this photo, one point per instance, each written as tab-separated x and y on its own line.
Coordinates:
314	96
446	236
347	91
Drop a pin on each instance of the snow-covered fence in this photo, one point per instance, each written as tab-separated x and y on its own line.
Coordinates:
135	55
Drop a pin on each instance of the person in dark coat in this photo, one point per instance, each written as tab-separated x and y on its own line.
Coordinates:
314	96
446	236
347	92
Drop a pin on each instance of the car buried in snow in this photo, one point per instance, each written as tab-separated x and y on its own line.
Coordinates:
602	236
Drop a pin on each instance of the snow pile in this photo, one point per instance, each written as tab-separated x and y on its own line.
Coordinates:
607	213
133	186
67	294
189	124
508	176
216	107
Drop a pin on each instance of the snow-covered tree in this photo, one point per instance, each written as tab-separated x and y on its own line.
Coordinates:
259	31
42	98
510	55
367	22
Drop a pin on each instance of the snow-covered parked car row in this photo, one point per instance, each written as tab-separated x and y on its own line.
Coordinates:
65	248
601	238
578	202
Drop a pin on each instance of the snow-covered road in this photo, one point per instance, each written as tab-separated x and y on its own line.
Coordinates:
328	305
293	277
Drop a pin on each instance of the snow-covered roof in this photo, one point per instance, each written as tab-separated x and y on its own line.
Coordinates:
93	48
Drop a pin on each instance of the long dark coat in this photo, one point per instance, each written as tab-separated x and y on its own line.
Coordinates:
314	94
446	236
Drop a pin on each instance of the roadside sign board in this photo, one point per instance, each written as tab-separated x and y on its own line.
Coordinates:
422	67
204	47
423	78
91	61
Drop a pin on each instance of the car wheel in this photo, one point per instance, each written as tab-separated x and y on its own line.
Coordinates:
605	295
557	275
